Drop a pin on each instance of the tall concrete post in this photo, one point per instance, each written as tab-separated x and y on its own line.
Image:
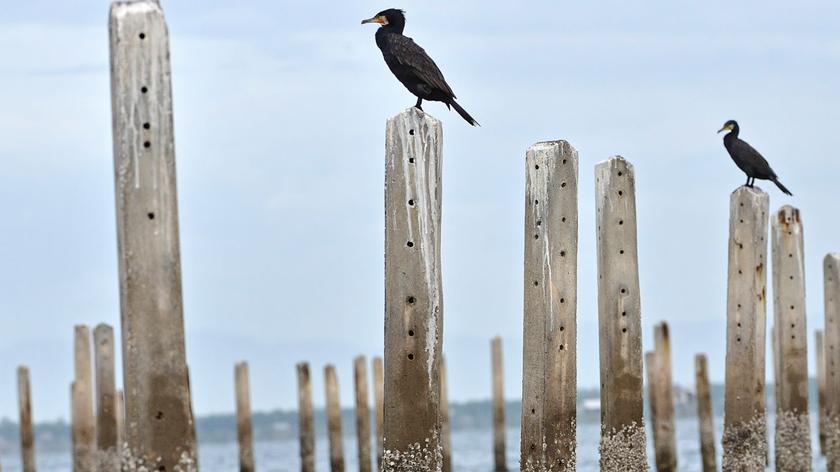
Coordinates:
159	422
549	377
793	430
413	292
745	427
623	443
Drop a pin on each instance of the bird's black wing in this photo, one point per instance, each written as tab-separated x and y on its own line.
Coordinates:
757	164
411	56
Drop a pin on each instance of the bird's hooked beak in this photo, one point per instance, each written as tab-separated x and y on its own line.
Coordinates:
376	19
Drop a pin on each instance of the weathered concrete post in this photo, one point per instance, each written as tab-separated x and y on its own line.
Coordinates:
549	377
619	318
704	414
664	433
244	429
413	292
499	457
27	439
159	422
793	430
362	413
306	424
445	428
84	424
819	352
334	420
745	427
831	274
120	421
106	400
379	406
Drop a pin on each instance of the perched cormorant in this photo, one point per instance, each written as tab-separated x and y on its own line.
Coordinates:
747	158
410	63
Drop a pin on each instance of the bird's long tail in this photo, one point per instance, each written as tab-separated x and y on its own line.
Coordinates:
464	113
781	187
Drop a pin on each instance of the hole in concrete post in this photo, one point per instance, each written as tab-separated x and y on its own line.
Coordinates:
623	313
739	339
620	193
562	253
411	160
142	35
536	202
537	166
623	290
621	251
411	202
411	132
536	236
539	222
411	332
623	330
562	300
410	356
146	125
411	300
536	283
564	161
563	219
739	324
561	347
409	244
562	328
620	222
620	173
563	184
159	415
144	89
151	215
147	144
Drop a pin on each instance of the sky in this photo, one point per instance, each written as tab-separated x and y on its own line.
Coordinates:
280	112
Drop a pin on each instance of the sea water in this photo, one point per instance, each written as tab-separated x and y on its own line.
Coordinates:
472	451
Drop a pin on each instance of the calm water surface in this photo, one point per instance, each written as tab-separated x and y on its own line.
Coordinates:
472	452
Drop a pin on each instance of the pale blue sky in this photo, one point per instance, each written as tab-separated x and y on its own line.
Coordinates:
279	112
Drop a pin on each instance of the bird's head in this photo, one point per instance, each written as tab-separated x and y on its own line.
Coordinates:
729	126
391	16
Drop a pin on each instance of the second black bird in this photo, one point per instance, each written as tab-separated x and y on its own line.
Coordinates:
410	63
748	159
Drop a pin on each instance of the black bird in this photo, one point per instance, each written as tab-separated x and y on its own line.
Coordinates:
747	158
410	63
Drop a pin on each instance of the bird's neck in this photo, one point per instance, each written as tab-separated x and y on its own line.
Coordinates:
390	28
732	134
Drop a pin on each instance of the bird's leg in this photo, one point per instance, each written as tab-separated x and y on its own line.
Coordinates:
419	104
752	181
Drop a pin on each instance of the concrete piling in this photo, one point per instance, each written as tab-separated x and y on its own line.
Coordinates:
793	431
831	279
159	422
27	438
413	292
362	413
84	423
244	428
306	423
379	406
705	414
108	458
498	395
549	381
334	420
623	442
744	438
